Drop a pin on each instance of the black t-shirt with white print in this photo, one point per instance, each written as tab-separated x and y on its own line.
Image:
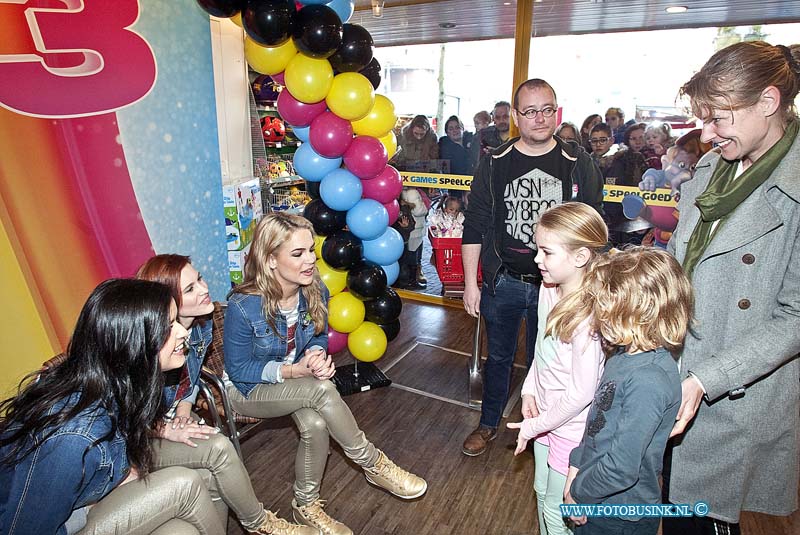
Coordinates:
532	186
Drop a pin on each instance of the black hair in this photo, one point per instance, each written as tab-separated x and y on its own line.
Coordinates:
601	127
111	362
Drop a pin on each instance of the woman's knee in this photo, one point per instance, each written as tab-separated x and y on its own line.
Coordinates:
220	449
186	482
325	392
310	423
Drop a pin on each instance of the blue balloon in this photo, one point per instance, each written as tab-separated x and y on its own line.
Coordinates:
343	8
392	272
386	248
313	2
367	219
340	189
313	167
301	133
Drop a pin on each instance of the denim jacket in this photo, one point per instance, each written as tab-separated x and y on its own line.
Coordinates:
63	473
199	341
253	351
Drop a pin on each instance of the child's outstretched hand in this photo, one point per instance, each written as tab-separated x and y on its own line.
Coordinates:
522	442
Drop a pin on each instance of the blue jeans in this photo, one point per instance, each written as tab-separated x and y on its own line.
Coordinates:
618	526
502	314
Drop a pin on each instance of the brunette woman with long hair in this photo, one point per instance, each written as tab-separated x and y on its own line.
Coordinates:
75	442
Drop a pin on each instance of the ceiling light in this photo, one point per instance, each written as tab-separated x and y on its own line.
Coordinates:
377	8
676	9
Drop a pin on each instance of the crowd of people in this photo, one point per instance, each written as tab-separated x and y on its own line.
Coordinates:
623	152
101	442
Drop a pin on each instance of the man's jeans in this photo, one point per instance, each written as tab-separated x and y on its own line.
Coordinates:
502	314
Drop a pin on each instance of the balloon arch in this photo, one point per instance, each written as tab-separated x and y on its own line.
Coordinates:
329	76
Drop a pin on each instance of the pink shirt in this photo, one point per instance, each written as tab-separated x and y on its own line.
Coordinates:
563	377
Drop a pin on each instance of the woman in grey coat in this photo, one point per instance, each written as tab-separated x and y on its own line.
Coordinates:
739	240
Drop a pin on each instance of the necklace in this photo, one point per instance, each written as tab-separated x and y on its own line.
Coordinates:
289	304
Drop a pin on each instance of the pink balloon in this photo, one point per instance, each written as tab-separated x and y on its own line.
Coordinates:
385	187
279	79
330	135
336	341
298	113
366	157
393	208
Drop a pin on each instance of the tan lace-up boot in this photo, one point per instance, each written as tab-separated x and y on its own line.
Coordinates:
389	476
273	525
313	515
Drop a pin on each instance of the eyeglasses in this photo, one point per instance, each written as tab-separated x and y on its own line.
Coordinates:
598	140
532	113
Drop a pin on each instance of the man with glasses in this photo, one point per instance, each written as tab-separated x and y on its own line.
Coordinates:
493	136
513	186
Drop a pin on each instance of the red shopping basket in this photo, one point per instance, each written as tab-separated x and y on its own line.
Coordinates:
447	259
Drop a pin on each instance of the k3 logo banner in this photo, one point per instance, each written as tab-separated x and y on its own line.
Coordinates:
72	58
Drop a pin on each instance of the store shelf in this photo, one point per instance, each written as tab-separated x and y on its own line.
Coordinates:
281	144
266	107
293	180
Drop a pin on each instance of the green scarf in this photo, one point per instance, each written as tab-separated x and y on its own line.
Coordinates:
725	192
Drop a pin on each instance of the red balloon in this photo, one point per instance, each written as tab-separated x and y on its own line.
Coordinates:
298	113
394	211
279	79
366	157
336	341
385	187
330	135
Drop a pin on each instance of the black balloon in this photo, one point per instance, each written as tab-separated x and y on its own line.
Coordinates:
222	8
385	308
373	72
326	220
269	22
343	250
366	280
356	50
312	188
391	329
317	31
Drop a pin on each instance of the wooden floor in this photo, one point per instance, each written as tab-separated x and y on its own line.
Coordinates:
486	495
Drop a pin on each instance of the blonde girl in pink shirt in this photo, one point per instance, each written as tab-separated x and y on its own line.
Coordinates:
562	380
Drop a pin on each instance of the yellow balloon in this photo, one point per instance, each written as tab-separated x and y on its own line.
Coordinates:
390	142
318	247
335	279
345	312
237	19
268	59
367	343
378	121
308	79
351	96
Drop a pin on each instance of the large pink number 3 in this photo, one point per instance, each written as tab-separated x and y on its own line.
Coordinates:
87	60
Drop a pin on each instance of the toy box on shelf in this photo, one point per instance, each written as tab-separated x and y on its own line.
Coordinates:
236	260
243	210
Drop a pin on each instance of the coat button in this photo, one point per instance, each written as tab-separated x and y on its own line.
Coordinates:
744	304
748	259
